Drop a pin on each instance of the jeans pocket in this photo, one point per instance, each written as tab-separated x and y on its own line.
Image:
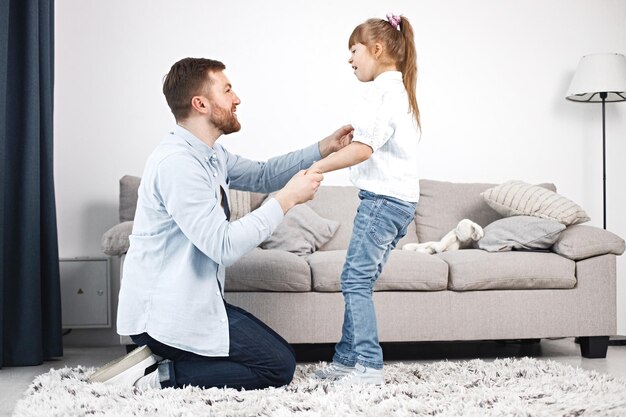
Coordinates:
389	222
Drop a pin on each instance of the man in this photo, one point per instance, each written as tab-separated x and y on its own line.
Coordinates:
171	298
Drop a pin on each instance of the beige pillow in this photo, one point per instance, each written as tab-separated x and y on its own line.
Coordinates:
238	204
517	198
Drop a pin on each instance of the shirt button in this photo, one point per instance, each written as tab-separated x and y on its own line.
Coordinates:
223	320
215	174
206	158
217	293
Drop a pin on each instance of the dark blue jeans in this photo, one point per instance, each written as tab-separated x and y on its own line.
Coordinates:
258	358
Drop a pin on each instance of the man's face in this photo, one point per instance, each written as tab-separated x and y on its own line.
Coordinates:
223	102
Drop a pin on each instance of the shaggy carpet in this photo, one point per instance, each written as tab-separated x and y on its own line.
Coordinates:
504	387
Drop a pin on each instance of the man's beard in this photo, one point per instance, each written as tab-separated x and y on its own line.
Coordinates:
224	120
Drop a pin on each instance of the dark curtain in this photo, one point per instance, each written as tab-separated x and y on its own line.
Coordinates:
30	301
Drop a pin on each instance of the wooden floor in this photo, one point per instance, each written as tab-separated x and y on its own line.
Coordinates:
14	381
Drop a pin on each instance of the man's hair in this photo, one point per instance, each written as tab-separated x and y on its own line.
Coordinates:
186	79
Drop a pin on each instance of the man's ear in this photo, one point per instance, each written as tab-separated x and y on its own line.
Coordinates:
200	104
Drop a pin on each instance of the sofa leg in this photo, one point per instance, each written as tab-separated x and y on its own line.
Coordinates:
594	346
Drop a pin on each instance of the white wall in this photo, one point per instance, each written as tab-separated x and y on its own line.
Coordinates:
493	76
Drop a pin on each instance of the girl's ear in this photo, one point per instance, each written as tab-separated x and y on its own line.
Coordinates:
378	50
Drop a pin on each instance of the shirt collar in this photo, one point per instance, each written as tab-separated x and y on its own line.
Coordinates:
202	148
388	76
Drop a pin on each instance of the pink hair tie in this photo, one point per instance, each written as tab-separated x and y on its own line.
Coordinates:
394	20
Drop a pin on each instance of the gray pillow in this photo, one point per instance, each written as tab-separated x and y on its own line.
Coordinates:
581	241
115	240
302	231
520	233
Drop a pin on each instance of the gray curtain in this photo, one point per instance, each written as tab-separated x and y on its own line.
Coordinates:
30	304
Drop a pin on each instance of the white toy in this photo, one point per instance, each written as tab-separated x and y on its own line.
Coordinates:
461	237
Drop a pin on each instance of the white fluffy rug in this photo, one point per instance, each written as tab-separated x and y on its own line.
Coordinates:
505	387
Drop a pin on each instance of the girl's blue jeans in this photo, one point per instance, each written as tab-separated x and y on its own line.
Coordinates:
380	222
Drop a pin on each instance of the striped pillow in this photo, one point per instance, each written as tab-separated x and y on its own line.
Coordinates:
517	198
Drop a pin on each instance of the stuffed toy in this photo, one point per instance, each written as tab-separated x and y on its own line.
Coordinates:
463	235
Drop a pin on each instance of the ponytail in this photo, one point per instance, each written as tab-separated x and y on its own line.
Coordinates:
408	67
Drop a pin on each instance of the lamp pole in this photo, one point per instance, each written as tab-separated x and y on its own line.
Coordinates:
603	96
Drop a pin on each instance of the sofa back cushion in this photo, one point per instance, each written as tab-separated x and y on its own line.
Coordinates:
442	205
340	203
337	203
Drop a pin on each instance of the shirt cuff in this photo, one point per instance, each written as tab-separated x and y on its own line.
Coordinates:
272	214
312	154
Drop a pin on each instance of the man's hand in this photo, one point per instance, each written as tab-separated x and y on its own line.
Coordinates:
300	189
337	140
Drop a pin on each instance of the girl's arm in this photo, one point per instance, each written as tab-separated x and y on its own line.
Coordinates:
352	154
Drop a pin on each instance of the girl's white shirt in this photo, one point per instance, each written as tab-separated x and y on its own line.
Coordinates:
383	120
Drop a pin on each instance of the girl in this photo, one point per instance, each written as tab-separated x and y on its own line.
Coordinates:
383	161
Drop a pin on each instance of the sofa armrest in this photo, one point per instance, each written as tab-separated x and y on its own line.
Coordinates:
580	242
115	240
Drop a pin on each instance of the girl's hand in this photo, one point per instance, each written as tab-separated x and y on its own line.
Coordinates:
337	140
314	169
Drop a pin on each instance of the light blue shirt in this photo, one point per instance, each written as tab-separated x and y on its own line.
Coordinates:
181	240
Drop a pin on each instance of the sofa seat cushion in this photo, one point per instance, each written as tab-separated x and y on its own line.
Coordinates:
474	269
405	271
269	270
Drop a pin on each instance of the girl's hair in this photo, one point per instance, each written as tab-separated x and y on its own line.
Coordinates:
399	46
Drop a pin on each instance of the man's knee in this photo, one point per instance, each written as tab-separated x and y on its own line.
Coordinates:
283	369
286	371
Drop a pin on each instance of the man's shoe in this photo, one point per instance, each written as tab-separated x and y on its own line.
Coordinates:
333	371
362	375
127	369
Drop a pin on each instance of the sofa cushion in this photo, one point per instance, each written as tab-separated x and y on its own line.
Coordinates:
302	231
520	232
340	203
115	241
582	241
442	205
405	271
517	198
269	270
475	269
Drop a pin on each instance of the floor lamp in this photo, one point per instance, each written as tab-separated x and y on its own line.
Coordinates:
600	78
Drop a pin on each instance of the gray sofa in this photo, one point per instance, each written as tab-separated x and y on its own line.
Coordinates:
463	295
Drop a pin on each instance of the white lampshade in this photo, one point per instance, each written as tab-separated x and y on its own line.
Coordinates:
599	73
